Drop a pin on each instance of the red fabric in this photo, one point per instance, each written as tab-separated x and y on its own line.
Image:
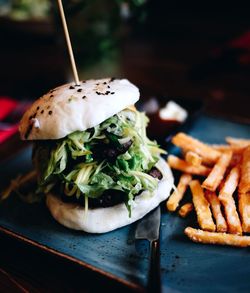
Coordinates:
7	105
242	42
5	134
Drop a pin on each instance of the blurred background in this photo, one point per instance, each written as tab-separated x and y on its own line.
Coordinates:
196	50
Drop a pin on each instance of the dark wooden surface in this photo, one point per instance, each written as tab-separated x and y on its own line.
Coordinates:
160	62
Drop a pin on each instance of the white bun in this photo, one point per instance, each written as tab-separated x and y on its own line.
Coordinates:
69	108
101	220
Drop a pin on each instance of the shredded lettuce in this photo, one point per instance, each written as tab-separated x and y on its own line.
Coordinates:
80	164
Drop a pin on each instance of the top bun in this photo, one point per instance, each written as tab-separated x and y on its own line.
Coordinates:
72	107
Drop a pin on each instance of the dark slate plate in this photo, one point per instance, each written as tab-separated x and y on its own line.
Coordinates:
185	266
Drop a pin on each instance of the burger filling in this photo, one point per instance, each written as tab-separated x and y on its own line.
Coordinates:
102	166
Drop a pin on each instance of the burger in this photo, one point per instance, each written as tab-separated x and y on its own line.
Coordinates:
94	162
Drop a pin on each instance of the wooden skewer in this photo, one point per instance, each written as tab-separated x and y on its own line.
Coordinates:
66	32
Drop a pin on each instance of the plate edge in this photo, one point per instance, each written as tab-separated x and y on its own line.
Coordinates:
51	251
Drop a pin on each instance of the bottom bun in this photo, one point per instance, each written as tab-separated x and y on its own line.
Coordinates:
101	220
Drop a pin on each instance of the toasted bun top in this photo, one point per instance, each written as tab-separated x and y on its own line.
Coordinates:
71	107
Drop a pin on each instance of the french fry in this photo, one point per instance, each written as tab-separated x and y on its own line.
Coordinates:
205	237
226	198
216	175
17	183
179	164
226	167
186	209
244	186
236	149
193	158
237	152
230	183
241	142
212	198
244	209
236	159
221	184
201	206
177	195
208	154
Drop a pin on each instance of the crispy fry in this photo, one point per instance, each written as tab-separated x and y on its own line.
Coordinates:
179	164
236	159
212	198
193	158
208	154
244	209
241	142
229	166
237	152
226	198
186	209
177	195
244	186
236	149
16	183
230	183
205	237
221	184
216	175
201	206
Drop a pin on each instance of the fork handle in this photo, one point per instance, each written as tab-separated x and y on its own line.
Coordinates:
154	279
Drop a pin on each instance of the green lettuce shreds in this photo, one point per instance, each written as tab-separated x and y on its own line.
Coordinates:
113	155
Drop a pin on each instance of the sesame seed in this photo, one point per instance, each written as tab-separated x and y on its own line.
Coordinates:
42	111
84	97
112	79
71	87
50	112
51	96
37	107
79	90
112	93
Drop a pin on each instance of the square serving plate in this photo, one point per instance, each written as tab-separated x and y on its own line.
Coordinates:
185	266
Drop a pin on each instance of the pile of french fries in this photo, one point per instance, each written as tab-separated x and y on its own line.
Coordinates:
219	179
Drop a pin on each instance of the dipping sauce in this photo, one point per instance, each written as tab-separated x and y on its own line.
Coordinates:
165	120
173	111
159	128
